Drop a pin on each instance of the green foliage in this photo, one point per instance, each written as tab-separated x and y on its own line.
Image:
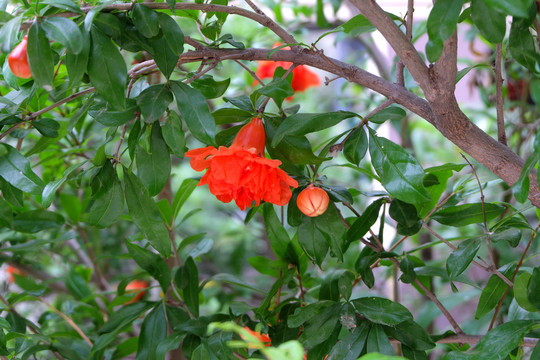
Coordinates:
98	195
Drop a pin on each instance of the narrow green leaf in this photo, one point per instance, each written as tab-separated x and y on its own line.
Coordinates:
187	280
64	31
47	127
145	214
519	8
172	33
405	214
352	344
34	221
411	334
173	134
153	168
318	328
278	89
490	22
183	193
112	118
521	285
124	316
77	64
211	88
378	342
361	226
356	146
50	189
466	214
400	172
153	101
145	20
16	170
460	259
108	205
390	113
40	56
165	58
533	288
9	32
107	70
277	235
6	214
231	115
521	44
195	112
492	293
382	311
152	263
153	331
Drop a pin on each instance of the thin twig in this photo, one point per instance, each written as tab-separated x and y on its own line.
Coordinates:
68	320
252	73
202	72
32	116
501	134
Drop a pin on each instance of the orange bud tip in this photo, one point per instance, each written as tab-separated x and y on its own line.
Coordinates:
312	201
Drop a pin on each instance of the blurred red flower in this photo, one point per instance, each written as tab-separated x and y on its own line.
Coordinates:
241	172
265	339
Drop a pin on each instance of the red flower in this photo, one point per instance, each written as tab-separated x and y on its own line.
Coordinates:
303	78
241	172
18	60
136	286
11	270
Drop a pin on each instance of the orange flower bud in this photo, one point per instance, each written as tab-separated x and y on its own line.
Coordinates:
312	201
134	286
11	270
18	60
265	339
251	136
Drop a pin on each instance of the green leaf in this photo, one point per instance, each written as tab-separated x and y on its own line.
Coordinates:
361	226
107	208
50	189
521	187
466	214
378	342
172	33
153	101
407	266
400	173
40	56
152	263
195	112
357	25
352	344
277	235
318	328
187	280
77	64
65	31
125	316
336	282
145	20
11	194
521	44
165	58
405	214
173	134
490	22
533	288
6	214
154	168
278	89
183	193
231	115
356	146
145	214
112	118
16	170
34	221
517	8
9	32
47	127
211	88
107	70
381	311
390	113
66	5
492	293
497	343
442	21
460	259
411	334
77	284
301	124
153	331
521	285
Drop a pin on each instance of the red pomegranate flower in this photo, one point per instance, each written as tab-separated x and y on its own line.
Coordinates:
241	172
18	60
303	78
265	339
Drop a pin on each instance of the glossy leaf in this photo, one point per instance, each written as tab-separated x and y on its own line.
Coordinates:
16	170
145	214
165	58
112	118
231	115
107	70
411	334
172	33
355	148
124	316
34	221
490	22
533	288
8	33
400	173
187	279
173	134
318	328
40	56
381	311
195	112
47	127
154	167
77	64
361	226
50	189
211	88
378	341
521	285
466	214
145	20
152	263
153	331
492	293
390	113
6	214
405	214
277	235
497	343
107	208
460	259
517	8
153	101
301	124
64	31
521	44
352	344
441	24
